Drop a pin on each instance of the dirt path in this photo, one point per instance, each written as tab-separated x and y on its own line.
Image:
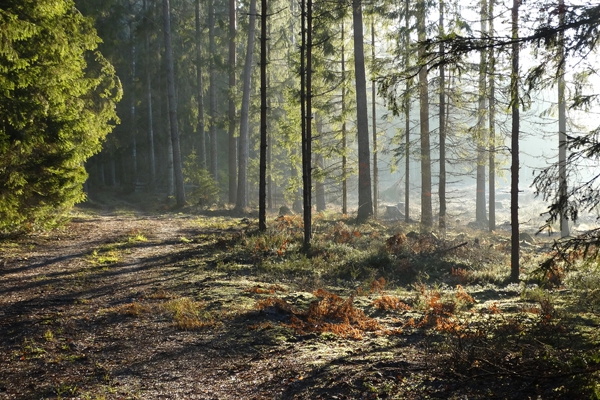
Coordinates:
89	312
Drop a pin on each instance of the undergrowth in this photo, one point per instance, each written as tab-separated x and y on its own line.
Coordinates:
527	349
526	352
330	313
346	254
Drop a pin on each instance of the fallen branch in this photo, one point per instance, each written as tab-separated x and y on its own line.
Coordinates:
442	251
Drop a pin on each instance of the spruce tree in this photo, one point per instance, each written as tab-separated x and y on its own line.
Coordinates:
57	104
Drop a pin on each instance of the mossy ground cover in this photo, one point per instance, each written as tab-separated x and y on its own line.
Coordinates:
124	304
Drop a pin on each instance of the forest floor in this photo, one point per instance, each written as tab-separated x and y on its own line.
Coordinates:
134	305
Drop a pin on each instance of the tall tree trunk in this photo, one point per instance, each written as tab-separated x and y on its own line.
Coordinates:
164	124
365	200
269	167
213	90
132	110
179	189
374	116
481	138
562	128
319	184
407	115
514	169
344	133
297	194
242	187
306	114
170	165
200	90
262	201
426	208
492	123
152	151
232	156
442	188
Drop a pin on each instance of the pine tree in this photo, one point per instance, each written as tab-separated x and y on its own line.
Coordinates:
57	104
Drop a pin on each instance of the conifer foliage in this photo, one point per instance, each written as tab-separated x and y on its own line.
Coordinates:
57	104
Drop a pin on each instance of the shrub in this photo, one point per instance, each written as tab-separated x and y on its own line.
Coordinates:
205	190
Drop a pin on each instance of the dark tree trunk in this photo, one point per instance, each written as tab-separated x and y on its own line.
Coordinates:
213	91
262	203
152	151
514	169
374	116
306	114
200	90
319	184
365	200
132	110
407	116
242	187
492	124
177	171
232	156
269	136
481	139
170	165
344	133
562	129
442	188
426	207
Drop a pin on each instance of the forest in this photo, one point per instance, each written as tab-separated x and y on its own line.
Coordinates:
299	199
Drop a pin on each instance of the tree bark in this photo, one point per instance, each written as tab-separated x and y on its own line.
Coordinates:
426	208
308	140
442	121
170	165
492	124
562	129
262	201
306	114
319	184
269	167
213	91
365	200
481	138
132	110
232	156
374	116
179	189
200	90
407	116
152	150
344	133
514	169
242	187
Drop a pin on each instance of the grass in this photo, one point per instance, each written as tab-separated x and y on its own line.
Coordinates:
136	237
475	338
112	253
105	256
187	314
183	312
